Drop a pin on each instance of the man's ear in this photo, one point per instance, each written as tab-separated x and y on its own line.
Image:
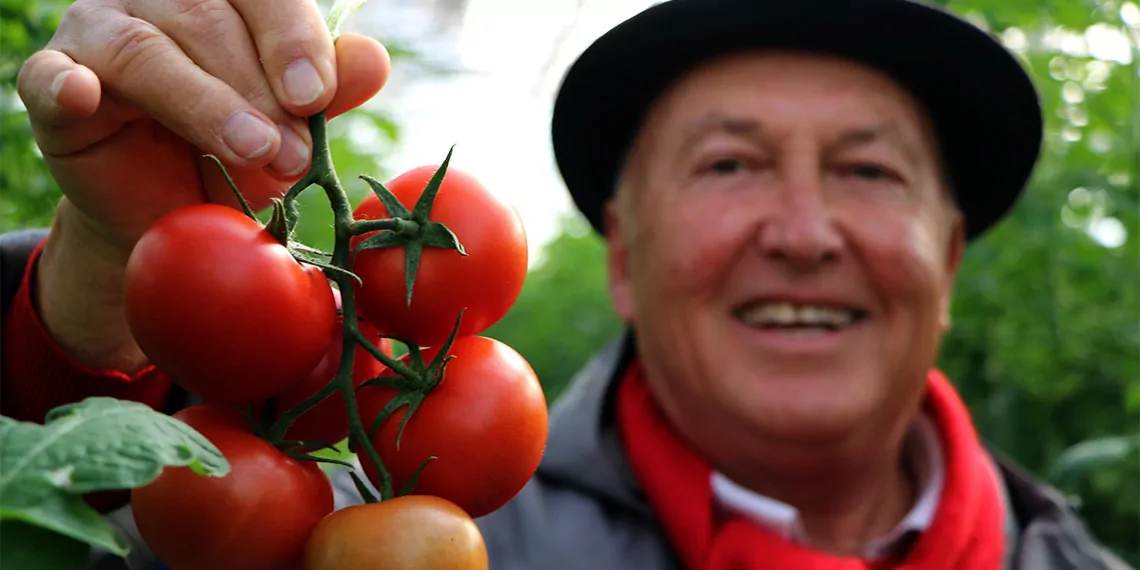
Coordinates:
955	249
618	262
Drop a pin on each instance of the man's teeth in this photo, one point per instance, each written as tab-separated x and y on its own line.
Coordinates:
789	315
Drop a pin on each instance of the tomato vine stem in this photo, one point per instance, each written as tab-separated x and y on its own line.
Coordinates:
323	174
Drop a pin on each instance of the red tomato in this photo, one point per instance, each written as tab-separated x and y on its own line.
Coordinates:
486	282
257	517
328	421
220	306
416	532
486	422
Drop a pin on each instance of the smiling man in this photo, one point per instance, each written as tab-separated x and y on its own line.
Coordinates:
786	191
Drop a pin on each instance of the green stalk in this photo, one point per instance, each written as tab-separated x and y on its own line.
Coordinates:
324	175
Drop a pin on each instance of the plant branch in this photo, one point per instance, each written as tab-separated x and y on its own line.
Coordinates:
323	174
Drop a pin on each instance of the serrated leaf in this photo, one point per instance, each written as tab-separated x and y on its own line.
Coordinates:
395	208
98	444
435	234
422	211
339	14
383	239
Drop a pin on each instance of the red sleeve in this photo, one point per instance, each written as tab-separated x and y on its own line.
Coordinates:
37	375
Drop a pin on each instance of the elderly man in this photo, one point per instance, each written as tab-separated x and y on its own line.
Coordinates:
786	190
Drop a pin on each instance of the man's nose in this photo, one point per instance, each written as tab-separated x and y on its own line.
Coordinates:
800	229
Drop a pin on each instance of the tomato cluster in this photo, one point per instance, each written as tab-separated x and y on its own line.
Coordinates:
232	313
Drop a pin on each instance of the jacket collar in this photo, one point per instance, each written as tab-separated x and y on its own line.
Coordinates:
584	451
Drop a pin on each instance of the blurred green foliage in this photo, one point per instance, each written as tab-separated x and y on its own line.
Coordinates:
1045	344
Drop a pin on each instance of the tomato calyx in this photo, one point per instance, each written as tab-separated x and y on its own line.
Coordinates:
411	229
412	388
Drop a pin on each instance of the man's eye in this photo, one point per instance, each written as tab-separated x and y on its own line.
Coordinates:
726	166
870	172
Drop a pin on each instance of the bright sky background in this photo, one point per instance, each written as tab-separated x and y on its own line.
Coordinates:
511	56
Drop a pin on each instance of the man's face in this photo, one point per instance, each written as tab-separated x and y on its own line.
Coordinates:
784	247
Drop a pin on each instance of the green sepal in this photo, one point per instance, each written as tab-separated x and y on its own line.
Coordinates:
395	208
310	250
314	458
422	211
386	238
278	225
413	406
330	269
293	445
393	382
365	492
410	486
435	369
435	234
233	187
412	254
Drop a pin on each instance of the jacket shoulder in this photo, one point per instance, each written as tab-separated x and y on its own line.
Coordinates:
548	526
1051	535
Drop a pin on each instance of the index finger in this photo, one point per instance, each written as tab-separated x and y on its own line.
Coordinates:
296	51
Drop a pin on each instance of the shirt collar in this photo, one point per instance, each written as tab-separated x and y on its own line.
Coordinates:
784	519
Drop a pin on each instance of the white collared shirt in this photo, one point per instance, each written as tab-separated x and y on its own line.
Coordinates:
784	519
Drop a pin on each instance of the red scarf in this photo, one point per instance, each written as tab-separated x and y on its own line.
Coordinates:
966	533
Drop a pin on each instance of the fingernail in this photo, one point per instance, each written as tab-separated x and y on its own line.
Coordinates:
303	84
293	157
57	85
248	136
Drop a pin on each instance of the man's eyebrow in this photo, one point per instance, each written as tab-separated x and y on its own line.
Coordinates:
718	122
888	131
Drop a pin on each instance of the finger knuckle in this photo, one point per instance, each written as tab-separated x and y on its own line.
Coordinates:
204	15
134	45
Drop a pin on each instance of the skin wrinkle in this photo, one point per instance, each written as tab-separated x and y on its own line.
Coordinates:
901	266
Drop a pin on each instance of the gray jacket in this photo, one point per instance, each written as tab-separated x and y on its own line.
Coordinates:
583	509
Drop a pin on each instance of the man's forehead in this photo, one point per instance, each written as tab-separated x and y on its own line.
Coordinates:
724	95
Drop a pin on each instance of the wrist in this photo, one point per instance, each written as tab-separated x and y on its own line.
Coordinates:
78	294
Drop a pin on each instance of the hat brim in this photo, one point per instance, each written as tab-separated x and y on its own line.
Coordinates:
983	106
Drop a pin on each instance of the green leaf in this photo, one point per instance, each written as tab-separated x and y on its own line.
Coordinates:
98	444
1093	455
422	211
340	13
395	208
32	547
435	234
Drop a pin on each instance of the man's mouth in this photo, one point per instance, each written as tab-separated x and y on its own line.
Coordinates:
798	318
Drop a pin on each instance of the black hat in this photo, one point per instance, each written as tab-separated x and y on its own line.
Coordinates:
983	106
